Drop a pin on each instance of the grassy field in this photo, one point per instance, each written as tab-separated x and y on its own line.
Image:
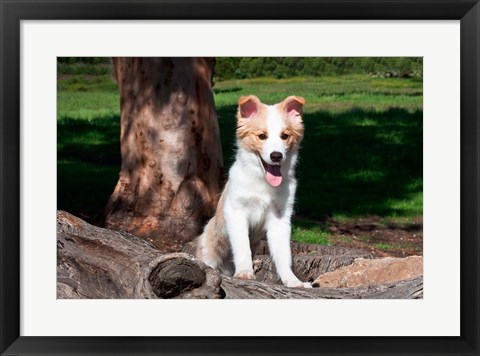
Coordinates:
361	156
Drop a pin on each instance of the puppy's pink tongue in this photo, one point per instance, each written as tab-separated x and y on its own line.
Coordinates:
273	175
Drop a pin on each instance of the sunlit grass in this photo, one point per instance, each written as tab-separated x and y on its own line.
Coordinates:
387	247
337	93
312	235
87	105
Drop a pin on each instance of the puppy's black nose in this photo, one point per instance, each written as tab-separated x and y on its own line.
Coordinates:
276	156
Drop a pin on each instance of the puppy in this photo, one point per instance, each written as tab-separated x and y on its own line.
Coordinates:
258	197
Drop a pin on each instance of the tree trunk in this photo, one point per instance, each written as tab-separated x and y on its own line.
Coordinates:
172	167
93	262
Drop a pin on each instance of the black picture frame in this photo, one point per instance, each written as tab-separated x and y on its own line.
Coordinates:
13	12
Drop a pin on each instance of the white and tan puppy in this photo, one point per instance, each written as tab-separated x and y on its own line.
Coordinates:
258	198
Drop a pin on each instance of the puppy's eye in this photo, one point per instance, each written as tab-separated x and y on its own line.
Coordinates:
262	137
284	136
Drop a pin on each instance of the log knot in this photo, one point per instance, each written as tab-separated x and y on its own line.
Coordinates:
175	276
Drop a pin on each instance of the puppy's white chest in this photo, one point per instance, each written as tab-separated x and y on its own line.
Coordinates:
257	212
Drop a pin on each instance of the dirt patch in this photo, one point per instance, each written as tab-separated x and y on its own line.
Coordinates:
381	237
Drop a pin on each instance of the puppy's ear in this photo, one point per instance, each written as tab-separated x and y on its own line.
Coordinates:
293	106
248	107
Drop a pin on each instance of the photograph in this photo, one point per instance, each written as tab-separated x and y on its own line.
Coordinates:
239	177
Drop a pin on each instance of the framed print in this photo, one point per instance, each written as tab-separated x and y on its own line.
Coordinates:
382	98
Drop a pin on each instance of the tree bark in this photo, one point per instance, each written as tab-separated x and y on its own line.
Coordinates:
94	262
172	166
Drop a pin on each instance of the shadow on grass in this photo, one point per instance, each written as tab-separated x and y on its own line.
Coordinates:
354	163
226	90
88	163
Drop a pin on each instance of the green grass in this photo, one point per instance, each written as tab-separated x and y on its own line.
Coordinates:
310	232
384	246
361	155
387	247
335	94
88	143
86	106
312	236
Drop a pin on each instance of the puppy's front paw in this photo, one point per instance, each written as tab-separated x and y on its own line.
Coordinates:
244	274
298	284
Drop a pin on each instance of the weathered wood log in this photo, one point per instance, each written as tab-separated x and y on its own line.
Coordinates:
302	248
93	262
99	263
238	289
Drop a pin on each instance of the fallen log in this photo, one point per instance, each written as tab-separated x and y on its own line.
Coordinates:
238	289
99	263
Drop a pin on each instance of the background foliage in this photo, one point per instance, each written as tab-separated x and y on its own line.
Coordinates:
283	67
275	67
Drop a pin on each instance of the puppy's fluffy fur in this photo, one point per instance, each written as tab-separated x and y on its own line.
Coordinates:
258	198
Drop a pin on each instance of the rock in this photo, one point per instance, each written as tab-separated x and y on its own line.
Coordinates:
364	272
